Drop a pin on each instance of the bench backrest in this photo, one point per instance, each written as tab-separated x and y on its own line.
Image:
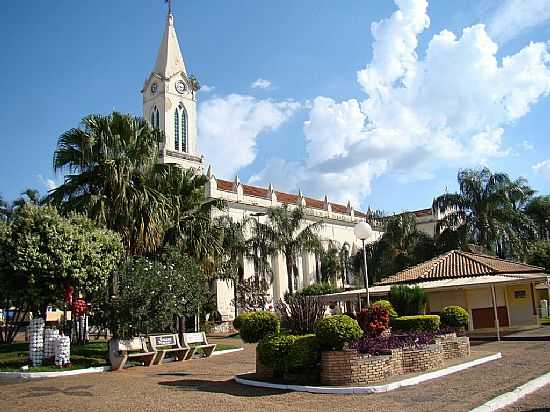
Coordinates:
132	345
170	340
198	337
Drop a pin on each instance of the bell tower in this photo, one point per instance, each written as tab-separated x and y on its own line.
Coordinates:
170	102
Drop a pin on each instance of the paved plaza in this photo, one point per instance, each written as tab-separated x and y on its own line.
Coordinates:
206	385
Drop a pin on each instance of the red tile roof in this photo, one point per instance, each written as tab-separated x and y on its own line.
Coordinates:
456	264
423	212
287	198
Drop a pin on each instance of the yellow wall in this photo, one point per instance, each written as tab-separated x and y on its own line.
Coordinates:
520	305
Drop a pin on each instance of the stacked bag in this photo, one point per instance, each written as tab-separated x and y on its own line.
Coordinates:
62	351
50	338
36	341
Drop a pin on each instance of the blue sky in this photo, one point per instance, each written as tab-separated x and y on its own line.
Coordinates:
385	120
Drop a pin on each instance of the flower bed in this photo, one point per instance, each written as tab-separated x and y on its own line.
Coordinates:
350	366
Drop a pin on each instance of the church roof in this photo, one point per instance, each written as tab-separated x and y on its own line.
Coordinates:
458	264
169	59
286	198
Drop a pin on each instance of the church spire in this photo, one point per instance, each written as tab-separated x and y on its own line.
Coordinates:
169	59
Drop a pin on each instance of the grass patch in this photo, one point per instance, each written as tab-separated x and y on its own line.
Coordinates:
14	356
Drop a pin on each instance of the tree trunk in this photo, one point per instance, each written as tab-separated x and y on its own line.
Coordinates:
290	274
235	297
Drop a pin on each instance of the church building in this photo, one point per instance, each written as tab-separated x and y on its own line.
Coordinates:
170	104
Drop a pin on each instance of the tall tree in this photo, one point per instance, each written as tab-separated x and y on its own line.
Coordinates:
538	209
108	160
292	235
488	205
29	196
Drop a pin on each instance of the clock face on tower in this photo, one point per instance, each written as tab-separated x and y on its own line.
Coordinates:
180	86
154	88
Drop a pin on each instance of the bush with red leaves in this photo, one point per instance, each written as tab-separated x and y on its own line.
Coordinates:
374	320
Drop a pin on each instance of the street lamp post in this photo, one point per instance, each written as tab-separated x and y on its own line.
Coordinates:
363	231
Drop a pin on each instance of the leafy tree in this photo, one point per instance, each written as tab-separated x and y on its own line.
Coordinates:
252	295
538	209
408	301
292	235
41	253
154	292
29	196
539	254
488	205
5	210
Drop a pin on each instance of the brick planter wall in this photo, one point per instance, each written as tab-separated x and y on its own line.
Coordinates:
420	360
453	347
349	367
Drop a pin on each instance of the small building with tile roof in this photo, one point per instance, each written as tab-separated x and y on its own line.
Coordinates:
489	288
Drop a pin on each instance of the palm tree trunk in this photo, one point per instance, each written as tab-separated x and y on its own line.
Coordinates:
290	273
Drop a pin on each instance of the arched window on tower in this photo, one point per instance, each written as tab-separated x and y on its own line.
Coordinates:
155	118
177	129
183	129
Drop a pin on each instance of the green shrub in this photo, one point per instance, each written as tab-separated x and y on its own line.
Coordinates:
417	323
286	353
333	332
257	325
237	322
273	350
408	301
316	289
303	354
385	304
455	317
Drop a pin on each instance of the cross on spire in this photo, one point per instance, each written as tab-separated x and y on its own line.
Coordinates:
169	6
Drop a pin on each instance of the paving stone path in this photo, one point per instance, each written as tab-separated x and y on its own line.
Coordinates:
205	385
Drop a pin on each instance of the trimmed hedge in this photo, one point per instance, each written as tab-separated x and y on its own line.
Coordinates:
316	289
257	325
417	323
289	353
237	322
334	331
455	317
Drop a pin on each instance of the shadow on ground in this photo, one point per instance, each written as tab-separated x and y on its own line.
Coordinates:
228	387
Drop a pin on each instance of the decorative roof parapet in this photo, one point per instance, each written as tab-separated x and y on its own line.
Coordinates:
326	205
350	210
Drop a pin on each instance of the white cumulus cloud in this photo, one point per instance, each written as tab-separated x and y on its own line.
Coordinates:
516	16
543	168
261	84
207	89
49	184
230	125
447	109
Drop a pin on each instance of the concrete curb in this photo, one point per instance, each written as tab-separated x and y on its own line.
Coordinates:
371	389
223	352
509	398
42	375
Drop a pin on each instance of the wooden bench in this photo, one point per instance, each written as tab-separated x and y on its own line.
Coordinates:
120	351
198	341
164	344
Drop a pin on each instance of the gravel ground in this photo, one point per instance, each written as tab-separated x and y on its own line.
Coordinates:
538	401
206	385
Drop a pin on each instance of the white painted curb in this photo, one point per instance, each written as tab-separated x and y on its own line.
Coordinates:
509	398
40	375
371	389
223	352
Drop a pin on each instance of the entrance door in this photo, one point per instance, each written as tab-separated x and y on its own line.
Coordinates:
485	317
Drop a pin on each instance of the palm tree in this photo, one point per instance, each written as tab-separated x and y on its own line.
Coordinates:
331	262
292	235
488	206
234	250
260	247
29	196
108	161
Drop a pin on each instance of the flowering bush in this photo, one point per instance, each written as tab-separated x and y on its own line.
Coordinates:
378	345
388	306
374	320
